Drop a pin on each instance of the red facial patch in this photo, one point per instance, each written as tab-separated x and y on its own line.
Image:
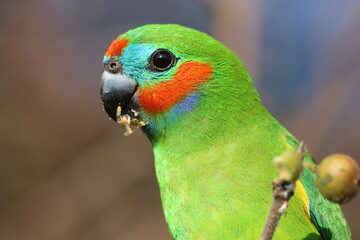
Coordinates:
116	47
189	76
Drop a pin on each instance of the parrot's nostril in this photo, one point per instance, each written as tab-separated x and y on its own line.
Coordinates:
113	66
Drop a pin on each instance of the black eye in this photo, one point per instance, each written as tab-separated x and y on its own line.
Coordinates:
113	66
161	60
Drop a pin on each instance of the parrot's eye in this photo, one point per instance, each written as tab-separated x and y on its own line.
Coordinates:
161	60
113	66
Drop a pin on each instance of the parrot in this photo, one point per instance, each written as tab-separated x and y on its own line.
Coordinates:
213	140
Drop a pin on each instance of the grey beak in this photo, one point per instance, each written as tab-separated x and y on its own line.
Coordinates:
116	90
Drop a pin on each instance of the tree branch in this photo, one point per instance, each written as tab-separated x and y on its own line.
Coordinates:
283	189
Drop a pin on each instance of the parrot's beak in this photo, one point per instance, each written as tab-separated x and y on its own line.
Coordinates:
118	90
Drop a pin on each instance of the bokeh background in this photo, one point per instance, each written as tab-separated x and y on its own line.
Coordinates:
67	173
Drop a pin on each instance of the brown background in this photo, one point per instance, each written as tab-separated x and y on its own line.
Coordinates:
66	172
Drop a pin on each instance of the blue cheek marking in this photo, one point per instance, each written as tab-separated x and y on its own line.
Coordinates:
187	104
163	121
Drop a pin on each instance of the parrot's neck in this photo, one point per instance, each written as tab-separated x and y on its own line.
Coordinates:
210	153
209	173
213	123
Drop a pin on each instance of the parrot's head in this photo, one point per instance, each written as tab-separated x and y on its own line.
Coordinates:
160	74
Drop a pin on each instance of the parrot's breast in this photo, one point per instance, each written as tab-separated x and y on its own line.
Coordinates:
224	191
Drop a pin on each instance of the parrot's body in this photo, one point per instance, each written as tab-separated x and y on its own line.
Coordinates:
213	140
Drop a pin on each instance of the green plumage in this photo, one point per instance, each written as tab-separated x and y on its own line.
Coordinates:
214	163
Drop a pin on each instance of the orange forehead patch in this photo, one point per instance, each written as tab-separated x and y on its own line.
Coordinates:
189	76
116	47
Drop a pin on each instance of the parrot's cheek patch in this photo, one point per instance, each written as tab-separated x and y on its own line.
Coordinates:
163	96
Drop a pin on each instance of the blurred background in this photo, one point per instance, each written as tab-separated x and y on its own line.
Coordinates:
67	173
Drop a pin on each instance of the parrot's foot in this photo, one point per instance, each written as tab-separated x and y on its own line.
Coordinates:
129	122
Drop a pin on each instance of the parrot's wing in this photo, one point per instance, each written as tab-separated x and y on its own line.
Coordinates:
325	215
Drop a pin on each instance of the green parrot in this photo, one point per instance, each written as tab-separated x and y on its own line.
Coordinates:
212	138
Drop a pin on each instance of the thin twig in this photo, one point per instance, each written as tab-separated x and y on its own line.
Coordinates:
282	192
